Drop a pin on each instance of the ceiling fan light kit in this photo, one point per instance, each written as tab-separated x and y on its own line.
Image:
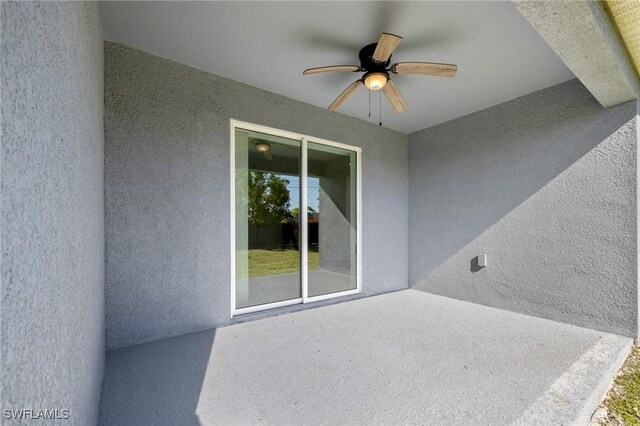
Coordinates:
375	80
262	147
375	60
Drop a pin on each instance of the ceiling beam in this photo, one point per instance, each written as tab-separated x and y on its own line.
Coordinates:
583	36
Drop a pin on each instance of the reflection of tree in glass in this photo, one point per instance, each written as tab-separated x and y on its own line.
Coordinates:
268	198
296	212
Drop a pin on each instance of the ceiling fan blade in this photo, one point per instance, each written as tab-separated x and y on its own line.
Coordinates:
267	155
386	45
425	68
344	95
352	68
395	98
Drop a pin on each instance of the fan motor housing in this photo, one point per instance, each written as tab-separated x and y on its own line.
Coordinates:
367	62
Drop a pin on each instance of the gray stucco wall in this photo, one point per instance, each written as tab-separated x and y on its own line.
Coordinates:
52	308
167	192
546	186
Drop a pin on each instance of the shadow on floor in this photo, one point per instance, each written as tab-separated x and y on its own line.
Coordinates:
165	375
407	357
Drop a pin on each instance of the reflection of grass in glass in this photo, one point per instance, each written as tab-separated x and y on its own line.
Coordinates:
272	262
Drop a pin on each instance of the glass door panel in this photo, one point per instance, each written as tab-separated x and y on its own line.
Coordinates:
331	219
267	199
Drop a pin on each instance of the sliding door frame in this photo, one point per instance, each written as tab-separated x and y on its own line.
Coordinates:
304	229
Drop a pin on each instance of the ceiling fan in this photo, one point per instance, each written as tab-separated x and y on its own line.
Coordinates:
375	60
264	148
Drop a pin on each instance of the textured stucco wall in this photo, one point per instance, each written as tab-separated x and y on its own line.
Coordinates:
52	305
167	192
546	186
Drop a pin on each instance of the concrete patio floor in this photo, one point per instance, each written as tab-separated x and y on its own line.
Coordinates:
401	358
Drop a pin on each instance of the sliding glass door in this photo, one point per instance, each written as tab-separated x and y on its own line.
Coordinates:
295	213
332	220
267	182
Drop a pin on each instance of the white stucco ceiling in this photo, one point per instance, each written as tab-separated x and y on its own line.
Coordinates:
268	45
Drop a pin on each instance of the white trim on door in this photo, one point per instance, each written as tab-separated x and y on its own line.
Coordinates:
304	223
235	124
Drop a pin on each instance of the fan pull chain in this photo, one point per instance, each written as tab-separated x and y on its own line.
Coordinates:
380	124
369	103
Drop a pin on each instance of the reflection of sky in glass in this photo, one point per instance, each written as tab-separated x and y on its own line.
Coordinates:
313	194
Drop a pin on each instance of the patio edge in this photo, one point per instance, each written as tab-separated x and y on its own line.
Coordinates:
574	397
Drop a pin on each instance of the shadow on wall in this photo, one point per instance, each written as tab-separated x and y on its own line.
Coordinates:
481	166
474	265
156	383
545	184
